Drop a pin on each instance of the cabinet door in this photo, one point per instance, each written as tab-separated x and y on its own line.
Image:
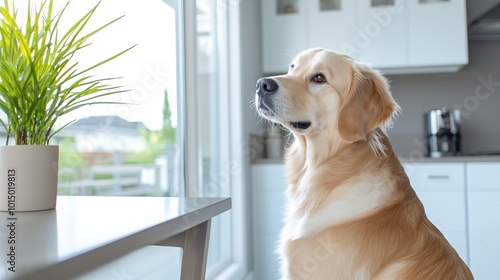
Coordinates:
380	33
284	30
268	201
331	24
437	32
441	188
446	210
483	191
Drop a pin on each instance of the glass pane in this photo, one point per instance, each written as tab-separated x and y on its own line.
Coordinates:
329	5
126	149
213	135
287	6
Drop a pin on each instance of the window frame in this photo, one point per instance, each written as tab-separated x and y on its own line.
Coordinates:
228	55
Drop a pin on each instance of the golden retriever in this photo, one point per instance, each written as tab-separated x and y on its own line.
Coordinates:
351	212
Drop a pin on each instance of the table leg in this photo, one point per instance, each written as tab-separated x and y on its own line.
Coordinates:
194	243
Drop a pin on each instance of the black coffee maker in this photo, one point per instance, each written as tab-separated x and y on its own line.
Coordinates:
443	132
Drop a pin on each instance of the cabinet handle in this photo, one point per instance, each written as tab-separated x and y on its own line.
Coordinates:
438	177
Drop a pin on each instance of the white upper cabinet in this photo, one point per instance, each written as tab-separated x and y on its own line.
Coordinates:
381	33
283	33
330	25
438	33
395	36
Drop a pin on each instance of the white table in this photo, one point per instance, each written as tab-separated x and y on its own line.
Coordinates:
84	233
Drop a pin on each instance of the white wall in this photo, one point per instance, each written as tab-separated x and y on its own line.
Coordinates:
418	94
250	72
251	62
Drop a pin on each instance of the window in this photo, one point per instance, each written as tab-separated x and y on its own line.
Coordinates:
126	149
173	137
212	123
216	137
214	142
130	148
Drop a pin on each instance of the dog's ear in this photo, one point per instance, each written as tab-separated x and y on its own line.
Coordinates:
367	105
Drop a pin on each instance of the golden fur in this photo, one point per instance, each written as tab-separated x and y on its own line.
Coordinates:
351	211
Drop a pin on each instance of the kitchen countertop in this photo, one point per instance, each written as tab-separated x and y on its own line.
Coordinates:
409	159
485	158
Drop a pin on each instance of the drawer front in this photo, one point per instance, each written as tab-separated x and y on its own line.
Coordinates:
437	176
483	176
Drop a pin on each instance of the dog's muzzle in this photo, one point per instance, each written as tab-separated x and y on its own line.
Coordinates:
266	88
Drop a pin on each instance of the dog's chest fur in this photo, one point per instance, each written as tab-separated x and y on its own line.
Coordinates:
310	212
347	202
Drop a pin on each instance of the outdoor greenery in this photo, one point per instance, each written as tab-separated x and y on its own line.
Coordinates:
156	140
167	134
156	143
70	160
70	156
39	80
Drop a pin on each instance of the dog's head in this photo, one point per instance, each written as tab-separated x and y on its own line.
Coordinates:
324	91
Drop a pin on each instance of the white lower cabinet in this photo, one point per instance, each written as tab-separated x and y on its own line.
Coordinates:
483	194
461	198
268	201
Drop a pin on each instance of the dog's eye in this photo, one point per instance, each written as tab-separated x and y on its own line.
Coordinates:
292	66
319	78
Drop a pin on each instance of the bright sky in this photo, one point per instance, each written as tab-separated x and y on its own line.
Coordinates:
147	70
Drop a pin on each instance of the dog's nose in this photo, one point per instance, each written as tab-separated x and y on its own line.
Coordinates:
266	86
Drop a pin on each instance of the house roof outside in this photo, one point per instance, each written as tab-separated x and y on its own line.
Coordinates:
105	133
111	124
114	121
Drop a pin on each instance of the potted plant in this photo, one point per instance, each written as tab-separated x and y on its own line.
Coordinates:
40	82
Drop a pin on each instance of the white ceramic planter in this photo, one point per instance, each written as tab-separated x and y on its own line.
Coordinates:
28	177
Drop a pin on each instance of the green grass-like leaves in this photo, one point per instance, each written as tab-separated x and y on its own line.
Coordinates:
39	81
